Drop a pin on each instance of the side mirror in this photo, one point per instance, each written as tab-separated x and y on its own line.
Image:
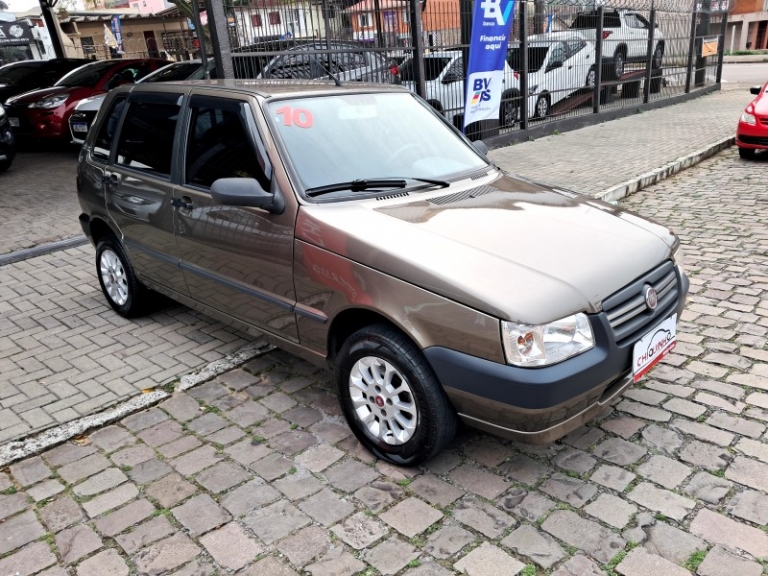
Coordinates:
246	192
755	90
450	77
481	147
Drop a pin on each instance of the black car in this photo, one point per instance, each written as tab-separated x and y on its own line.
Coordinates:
7	143
19	77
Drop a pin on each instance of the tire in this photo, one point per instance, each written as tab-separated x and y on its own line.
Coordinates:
630	89
658	57
5	164
429	418
542	106
591	78
747	153
618	64
125	293
509	111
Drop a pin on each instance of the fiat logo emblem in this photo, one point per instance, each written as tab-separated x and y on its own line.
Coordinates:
651	298
379	401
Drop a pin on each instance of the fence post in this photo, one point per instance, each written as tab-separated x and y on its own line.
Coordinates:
598	60
523	15
200	38
222	49
417	42
691	50
377	15
700	73
721	47
649	58
52	24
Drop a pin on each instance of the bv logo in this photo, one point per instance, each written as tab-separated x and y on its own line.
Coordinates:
482	90
492	11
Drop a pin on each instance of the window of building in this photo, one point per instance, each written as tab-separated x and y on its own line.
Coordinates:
274	18
364	20
256	21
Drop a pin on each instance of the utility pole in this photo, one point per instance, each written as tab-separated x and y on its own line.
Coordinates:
52	24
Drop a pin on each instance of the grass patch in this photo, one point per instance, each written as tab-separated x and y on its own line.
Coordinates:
610	568
404	482
695	559
414	563
529	570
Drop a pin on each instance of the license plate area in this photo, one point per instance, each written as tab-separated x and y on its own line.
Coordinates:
79	126
14	122
652	347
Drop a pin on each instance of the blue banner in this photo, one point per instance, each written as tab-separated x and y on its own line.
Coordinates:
491	25
117	30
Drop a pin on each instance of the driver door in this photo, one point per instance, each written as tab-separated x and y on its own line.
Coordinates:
557	76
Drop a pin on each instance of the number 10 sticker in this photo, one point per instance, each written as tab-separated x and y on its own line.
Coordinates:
300	117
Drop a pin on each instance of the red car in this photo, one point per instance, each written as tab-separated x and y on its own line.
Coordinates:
752	133
44	113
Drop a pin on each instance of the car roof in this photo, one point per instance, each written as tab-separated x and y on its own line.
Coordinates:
268	88
557	36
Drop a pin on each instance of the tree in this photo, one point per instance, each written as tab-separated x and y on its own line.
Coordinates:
3	6
185	8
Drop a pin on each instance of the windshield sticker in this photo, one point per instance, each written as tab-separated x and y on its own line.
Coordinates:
300	117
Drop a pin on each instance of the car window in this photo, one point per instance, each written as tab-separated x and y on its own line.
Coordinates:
631	21
536	57
108	129
13	73
575	46
146	138
88	75
219	144
643	22
174	72
558	54
433	66
128	74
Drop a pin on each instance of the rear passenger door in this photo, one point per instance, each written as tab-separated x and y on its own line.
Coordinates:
140	189
238	260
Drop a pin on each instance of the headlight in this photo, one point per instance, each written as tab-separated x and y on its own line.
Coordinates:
748	118
532	89
679	256
50	102
2	112
527	345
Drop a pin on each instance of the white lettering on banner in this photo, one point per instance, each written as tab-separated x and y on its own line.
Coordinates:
492	11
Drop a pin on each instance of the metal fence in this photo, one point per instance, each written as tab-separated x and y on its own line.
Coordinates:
565	59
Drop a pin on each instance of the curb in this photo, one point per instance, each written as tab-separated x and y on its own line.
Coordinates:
31	445
636	184
42	249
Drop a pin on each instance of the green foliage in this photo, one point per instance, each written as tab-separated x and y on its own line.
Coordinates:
695	559
529	570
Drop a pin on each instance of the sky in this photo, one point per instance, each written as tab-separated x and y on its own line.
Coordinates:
22	5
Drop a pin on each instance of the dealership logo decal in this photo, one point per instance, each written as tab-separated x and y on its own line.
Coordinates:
482	91
492	11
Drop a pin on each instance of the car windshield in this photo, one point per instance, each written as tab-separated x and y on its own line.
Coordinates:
536	57
178	71
12	73
433	66
88	75
346	137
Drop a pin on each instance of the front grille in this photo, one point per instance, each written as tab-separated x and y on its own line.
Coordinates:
627	312
25	126
764	121
757	140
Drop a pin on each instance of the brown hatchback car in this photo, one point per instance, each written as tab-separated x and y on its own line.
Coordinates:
356	228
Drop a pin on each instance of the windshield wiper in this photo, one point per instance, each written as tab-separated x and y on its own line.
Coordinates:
433	181
357	186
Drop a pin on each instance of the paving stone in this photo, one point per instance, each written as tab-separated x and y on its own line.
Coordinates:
749	505
248	497
579	566
195	461
649	397
293	442
179	446
124	518
271	566
684	407
479	481
231	547
705	455
674	389
378	495
67	453
360	531
164	556
434	490
613	477
30	471
76	542
248	451
221	477
703	432
717	402
19	530
483	517
306	545
598	542
181	407
330	431
722	562
162	433
524	469
350	475
643	411
672	543
668	503
226	436
749	473
278	402
80	469
737	425
5	481
276	521
446	541
132	456
411	516
583	437
207	424
429	568
536	545
110	500
532	507
297	487
303	416
29	560
611	510
620	452
326	507
319	457
100	482
754	448
145	534
61	513
487	451
391	556
665	471
106	563
705	486
272	466
662	438
201	514
208	392
196	568
624	426
12	503
149	471
343	565
45	490
571	490
719	529
170	490
238	379
488	560
575	461
640	562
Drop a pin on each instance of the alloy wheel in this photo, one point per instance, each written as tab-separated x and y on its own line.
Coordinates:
114	278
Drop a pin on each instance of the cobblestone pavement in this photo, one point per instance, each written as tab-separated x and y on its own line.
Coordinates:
256	473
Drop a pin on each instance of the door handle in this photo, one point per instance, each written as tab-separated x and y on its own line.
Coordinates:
111	179
183	202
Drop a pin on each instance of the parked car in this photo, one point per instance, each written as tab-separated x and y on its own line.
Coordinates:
354	227
44	113
752	131
85	110
351	63
7	142
625	38
559	64
19	77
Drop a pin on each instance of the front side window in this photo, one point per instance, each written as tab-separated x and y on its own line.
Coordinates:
146	139
108	129
558	54
219	144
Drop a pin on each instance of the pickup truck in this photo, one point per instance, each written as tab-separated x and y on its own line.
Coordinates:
625	39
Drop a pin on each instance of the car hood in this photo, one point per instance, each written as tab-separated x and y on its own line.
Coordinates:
511	248
90	104
35	95
760	105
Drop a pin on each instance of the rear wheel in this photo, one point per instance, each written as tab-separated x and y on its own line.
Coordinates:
542	106
591	77
509	111
747	153
618	64
658	56
391	398
124	291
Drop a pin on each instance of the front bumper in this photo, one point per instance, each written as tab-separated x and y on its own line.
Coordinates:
539	405
38	123
752	136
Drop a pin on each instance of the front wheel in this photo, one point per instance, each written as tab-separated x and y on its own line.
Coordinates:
591	77
658	57
618	64
542	106
747	153
391	398
124	291
509	111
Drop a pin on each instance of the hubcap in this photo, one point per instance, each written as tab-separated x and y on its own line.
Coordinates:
542	108
591	78
113	276
619	66
383	400
510	114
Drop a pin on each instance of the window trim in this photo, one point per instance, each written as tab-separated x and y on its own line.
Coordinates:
113	147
